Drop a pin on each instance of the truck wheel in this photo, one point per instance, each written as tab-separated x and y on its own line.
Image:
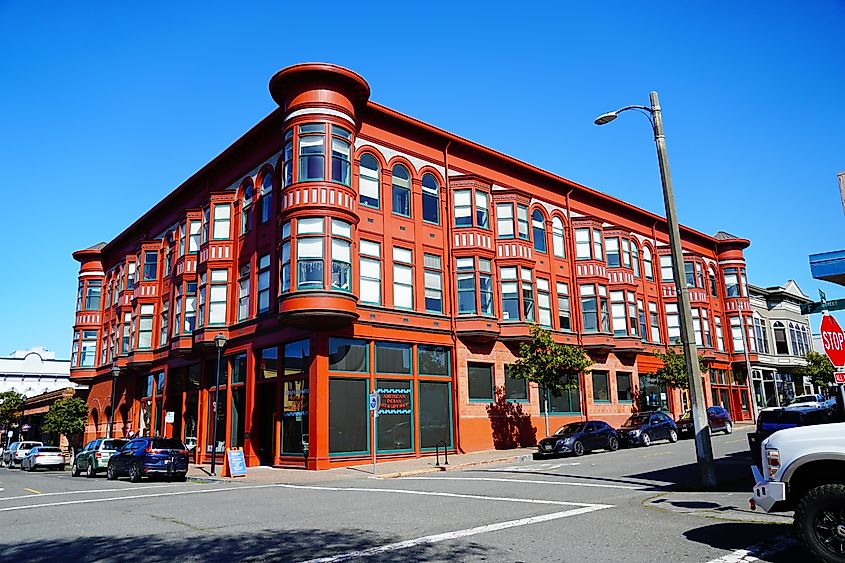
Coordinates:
820	522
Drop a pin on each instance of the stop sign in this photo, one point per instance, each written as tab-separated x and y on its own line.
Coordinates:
833	340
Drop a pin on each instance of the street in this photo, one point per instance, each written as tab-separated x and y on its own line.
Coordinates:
562	509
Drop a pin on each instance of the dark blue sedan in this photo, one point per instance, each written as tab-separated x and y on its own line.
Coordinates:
150	456
642	429
577	438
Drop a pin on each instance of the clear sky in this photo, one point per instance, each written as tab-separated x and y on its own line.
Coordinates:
106	107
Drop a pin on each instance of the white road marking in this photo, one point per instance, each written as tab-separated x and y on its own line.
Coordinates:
301	487
535	467
755	552
456	534
533	481
115	489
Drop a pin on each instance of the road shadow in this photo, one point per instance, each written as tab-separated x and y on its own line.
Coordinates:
273	545
765	542
733	472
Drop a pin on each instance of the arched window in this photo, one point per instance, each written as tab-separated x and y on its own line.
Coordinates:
538	225
635	259
794	339
781	347
401	191
714	288
246	208
368	181
430	199
95	421
557	238
806	337
266	197
648	266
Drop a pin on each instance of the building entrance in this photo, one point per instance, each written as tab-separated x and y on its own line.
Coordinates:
264	423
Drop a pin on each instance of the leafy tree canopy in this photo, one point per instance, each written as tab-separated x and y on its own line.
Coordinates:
555	366
819	369
673	372
66	416
11	403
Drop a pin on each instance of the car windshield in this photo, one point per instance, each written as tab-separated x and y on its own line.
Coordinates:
49	449
805	399
28	445
113	444
636	420
569	429
167	444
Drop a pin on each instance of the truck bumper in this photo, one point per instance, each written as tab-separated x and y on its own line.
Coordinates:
767	494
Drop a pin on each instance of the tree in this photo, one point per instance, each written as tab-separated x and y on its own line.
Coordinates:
819	369
66	416
555	367
11	404
673	372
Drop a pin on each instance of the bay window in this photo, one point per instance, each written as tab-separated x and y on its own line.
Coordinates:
190	306
648	265
194	228
594	308
401	191
266	201
369	186
482	210
167	260
613	257
705	326
510	293
312	152
341	155
204	225
485	286
217	297
243	293
182	235
150	271
736	334
689	273
370	268
145	326
463	208
538	223
642	318
165	312
284	270
504	220
696	325
666	274
673	323
781	347
465	268
264	282
626	252
126	334
177	309
309	253
341	255
654	322
93	290
74	351
633	317
720	339
624	317
287	172
558	238
222	216
527	295
403	278
430	199
731	277
635	259
522	221
246	208
200	300
564	313
598	253
433	283
544	302
88	352
589	244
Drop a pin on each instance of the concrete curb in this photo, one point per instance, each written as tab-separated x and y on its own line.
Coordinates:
457	467
718	506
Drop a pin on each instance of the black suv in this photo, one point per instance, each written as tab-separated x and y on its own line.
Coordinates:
772	419
646	427
150	456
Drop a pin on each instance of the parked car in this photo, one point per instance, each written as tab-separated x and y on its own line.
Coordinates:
813	401
17	451
718	418
50	457
95	456
149	456
578	438
644	428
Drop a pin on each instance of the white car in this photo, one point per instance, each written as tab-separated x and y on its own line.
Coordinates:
50	457
814	401
17	451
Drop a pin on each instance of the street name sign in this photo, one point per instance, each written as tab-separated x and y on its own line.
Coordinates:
833	340
819	306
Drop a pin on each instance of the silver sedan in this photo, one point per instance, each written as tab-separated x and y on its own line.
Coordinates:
50	457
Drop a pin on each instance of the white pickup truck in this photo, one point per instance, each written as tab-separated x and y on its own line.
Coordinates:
803	469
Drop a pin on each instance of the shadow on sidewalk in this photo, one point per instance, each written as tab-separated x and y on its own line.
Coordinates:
275	545
733	472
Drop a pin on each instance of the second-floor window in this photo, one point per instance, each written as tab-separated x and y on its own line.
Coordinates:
150	265
595	313
433	283
264	283
145	326
309	253
666	274
544	303
218	289
341	255
474	286
430	199
673	323
370	268
588	244
403	278
369	185
762	334
517	294
464	202
312	152
194	236
243	293
564	312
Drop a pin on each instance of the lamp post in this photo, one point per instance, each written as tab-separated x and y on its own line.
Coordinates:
115	373
703	447
219	343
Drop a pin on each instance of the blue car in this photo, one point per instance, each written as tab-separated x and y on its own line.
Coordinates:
577	438
148	456
644	428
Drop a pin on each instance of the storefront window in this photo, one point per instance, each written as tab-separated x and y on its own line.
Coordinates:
653	396
394	425
236	437
393	358
435	413
268	363
297	356
348	416
294	415
433	360
348	355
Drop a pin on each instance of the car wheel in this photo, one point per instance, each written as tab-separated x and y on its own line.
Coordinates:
578	448
820	522
134	473
612	444
646	439
673	436
111	474
729	427
90	471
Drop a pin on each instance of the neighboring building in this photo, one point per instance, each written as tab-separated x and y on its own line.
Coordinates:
32	372
36	408
782	339
344	248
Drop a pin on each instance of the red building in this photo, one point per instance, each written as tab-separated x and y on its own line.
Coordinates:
343	248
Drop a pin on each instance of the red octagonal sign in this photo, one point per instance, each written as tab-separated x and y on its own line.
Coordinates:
833	340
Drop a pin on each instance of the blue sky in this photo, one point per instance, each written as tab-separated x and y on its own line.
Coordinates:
106	107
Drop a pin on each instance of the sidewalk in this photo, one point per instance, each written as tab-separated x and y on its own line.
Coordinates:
386	470
719	505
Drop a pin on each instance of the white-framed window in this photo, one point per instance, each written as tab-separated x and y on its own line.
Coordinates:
613	256
369	185
341	156
246	208
720	338
544	303
564	312
312	152
463	208
145	326
648	265
243	292
218	289
666	275
341	255
482	210
618	315
370	257
266	201
736	334
430	199
522	221
264	281
309	253
222	217
433	283
401	191
558	238
194	228
582	244
504	220
403	278
654	322
673	323
696	326
165	312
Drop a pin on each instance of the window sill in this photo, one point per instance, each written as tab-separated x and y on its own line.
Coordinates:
482	401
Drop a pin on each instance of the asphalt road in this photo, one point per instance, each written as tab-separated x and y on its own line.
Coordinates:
590	508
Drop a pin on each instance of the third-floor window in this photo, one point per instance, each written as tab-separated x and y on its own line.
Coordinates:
588	244
472	209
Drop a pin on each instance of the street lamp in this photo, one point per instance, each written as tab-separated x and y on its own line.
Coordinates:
115	373
703	447
219	343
